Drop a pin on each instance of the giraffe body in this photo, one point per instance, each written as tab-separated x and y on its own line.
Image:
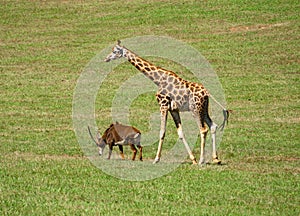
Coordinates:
174	95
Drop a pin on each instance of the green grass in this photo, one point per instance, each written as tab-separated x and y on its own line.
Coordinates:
253	47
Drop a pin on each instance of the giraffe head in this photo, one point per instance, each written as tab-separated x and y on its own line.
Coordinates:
118	51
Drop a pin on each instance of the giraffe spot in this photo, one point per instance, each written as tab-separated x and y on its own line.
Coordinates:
181	92
164	84
158	97
197	87
164	92
156	76
146	64
170	79
150	77
178	98
170	88
152	68
160	70
164	101
147	69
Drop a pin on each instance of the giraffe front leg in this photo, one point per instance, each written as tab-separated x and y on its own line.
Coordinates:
203	132
181	136
177	120
164	115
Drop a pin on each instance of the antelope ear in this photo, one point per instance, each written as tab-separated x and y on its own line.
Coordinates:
119	42
98	136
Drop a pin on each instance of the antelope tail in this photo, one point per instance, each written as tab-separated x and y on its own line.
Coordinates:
92	136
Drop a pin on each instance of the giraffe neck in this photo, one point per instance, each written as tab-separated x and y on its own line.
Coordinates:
154	73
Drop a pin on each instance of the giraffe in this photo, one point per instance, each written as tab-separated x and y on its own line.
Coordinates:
175	95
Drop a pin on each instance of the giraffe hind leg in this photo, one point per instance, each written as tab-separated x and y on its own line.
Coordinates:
213	129
203	133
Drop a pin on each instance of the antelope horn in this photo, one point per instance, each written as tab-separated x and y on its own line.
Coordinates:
96	142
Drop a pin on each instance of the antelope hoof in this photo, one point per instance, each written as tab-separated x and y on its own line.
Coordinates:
216	161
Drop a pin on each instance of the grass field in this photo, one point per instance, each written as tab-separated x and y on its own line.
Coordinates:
253	46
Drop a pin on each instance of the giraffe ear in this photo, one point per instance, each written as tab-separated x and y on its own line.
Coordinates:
119	42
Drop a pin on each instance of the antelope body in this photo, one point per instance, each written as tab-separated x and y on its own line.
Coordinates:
118	135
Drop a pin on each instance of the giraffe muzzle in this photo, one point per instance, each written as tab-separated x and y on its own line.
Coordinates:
107	59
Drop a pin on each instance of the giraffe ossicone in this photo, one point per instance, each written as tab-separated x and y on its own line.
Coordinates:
174	95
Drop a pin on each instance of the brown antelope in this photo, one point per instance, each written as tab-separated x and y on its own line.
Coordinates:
118	135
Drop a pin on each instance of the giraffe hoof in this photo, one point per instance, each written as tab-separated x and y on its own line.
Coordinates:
201	162
216	161
156	160
194	162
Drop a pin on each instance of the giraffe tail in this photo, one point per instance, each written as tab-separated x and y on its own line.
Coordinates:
226	116
225	120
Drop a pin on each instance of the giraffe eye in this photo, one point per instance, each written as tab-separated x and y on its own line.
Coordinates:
116	51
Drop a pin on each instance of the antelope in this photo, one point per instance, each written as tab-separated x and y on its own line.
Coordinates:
119	135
